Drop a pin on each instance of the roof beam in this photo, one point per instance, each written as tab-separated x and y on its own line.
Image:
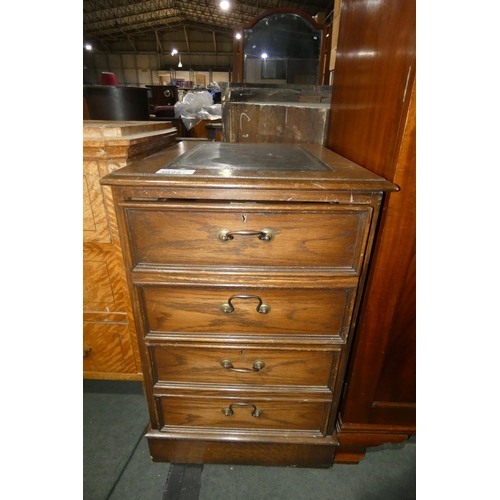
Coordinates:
131	42
159	47
187	38
116	20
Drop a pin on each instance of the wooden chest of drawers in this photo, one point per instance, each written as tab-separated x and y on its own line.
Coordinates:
245	265
109	340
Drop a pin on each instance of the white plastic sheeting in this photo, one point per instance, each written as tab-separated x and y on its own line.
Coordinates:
197	106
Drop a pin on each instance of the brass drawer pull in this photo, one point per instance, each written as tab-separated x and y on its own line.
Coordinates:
228	365
262	308
229	411
225	235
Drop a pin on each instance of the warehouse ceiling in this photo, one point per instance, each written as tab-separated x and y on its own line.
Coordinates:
107	24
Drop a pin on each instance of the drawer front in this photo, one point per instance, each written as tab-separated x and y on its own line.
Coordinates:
244	365
332	237
291	311
248	413
107	348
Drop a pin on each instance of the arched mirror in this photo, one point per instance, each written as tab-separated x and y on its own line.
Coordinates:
281	46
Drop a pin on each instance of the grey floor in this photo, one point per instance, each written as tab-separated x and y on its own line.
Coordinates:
117	465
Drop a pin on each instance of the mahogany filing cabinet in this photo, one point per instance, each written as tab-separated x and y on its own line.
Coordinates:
246	265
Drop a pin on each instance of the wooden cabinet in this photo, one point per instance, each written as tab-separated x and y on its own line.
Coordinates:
373	123
203	129
245	265
282	122
109	339
273	114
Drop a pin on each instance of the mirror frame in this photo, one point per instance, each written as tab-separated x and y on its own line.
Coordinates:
239	49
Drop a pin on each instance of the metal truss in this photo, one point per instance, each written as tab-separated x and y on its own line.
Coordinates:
108	21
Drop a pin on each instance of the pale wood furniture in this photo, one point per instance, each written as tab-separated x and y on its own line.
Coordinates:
245	265
109	338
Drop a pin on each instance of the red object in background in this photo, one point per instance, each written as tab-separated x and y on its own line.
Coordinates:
108	79
165	111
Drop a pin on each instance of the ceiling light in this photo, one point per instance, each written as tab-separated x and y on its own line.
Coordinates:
180	62
88	46
174	51
224	5
238	36
264	56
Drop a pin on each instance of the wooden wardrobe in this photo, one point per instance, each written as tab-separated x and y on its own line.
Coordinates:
372	122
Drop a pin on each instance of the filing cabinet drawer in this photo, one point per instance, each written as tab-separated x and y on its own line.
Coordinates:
255	311
297	236
243	413
245	365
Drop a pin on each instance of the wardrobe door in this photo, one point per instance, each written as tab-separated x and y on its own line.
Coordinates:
372	122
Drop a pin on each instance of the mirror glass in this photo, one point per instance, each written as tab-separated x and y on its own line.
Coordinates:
282	48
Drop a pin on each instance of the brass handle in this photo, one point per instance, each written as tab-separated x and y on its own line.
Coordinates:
262	308
229	411
87	352
256	367
225	235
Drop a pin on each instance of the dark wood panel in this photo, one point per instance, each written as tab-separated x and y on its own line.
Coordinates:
245	413
239	452
317	236
374	68
281	367
373	122
389	312
275	123
292	311
400	355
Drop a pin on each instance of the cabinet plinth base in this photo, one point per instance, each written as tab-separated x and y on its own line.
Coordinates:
353	445
164	447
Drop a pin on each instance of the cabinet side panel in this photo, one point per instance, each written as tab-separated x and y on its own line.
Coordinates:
382	375
372	122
